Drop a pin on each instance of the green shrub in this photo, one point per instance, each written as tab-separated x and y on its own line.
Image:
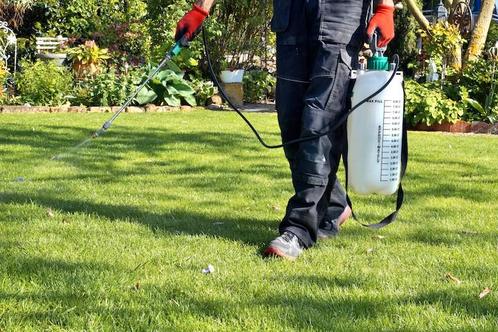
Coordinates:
258	85
492	37
3	76
427	103
108	88
43	83
478	83
405	43
121	26
204	90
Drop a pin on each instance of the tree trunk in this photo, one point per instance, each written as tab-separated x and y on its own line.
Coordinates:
417	13
455	58
480	32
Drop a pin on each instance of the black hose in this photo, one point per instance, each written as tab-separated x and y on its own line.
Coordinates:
298	140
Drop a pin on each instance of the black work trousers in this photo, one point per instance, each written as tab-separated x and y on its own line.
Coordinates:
317	46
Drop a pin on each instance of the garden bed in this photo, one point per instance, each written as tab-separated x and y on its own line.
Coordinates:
475	127
85	109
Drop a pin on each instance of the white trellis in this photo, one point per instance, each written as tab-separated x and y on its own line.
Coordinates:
8	40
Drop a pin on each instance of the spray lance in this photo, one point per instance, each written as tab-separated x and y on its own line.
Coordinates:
175	50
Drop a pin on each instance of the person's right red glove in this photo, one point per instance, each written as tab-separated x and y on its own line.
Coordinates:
190	23
383	19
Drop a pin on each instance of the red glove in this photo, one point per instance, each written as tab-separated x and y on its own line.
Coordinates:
190	23
383	20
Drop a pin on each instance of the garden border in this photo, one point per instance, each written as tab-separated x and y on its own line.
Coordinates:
87	109
461	127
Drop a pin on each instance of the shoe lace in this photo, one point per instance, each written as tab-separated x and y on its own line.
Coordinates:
290	237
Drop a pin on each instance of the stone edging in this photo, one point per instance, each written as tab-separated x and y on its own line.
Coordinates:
474	127
85	109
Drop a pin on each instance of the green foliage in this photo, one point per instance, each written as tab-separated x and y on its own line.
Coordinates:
120	26
478	82
405	42
4	73
43	83
258	85
492	37
3	78
168	87
204	90
243	32
443	39
163	15
427	103
108	88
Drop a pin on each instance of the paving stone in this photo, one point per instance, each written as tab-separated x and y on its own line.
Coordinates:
150	108
163	109
15	109
134	109
77	109
480	127
216	100
494	129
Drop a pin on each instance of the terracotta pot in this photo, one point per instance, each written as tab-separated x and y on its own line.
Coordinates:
82	70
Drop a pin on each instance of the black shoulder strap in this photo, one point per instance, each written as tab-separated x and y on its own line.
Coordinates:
400	195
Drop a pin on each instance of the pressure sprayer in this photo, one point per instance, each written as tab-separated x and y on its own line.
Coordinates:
377	150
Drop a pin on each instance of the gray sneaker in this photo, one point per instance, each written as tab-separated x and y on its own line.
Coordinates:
330	228
287	246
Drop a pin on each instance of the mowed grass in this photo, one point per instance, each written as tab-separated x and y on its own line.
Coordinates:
114	236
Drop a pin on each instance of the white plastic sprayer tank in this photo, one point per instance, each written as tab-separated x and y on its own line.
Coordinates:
375	132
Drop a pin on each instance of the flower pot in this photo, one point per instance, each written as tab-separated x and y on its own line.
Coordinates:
232	76
83	69
57	58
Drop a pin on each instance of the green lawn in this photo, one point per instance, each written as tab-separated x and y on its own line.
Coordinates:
114	237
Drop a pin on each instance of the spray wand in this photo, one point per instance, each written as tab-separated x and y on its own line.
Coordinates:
171	53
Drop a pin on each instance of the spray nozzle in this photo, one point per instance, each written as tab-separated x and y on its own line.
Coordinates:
102	130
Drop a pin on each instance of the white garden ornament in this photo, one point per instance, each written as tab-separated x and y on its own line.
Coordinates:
8	41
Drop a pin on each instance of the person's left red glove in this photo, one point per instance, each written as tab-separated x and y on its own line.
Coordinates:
190	23
383	19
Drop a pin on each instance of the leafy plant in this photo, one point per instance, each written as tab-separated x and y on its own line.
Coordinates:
405	43
88	53
444	43
204	90
258	85
476	89
427	103
45	84
168	87
3	77
108	88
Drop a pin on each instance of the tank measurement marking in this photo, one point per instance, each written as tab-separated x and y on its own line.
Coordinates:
390	134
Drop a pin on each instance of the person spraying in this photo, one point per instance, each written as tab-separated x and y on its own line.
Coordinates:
318	42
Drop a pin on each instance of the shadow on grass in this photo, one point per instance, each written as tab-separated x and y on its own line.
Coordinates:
98	158
250	231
